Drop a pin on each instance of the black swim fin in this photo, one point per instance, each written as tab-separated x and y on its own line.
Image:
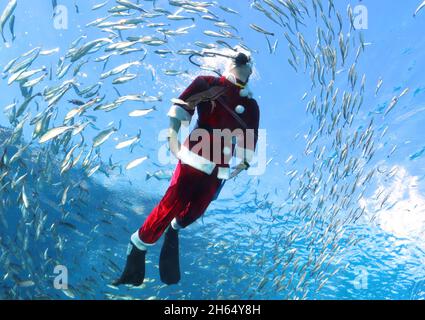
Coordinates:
134	272
169	264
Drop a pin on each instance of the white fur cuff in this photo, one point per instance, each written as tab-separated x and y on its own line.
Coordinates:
135	239
179	113
195	160
175	225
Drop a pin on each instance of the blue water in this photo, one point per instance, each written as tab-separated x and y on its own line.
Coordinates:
283	234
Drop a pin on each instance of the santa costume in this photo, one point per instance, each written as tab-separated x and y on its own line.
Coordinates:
224	105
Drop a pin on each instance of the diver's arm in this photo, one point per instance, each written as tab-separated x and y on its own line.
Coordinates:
177	115
173	136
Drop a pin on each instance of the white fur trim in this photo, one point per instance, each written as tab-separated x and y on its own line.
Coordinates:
223	173
175	225
195	160
135	239
179	113
243	153
231	77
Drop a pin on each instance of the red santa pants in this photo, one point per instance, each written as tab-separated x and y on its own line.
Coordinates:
188	196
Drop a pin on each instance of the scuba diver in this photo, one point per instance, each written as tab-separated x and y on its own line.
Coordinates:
222	103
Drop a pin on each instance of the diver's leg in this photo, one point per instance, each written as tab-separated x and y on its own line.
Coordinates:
171	204
169	266
175	201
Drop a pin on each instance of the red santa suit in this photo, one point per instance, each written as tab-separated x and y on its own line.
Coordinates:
200	171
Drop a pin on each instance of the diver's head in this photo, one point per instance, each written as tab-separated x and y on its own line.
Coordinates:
239	69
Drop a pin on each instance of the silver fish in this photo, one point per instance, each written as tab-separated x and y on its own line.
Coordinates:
100	5
12	27
179	18
130	5
119	69
420	7
405	91
77	54
7	13
261	30
160	175
103	136
53	133
135	163
214	34
393	103
379	85
175	72
32	83
24	198
124	79
141	112
25	283
229	10
128	142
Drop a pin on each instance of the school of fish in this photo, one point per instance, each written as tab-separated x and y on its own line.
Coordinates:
59	108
